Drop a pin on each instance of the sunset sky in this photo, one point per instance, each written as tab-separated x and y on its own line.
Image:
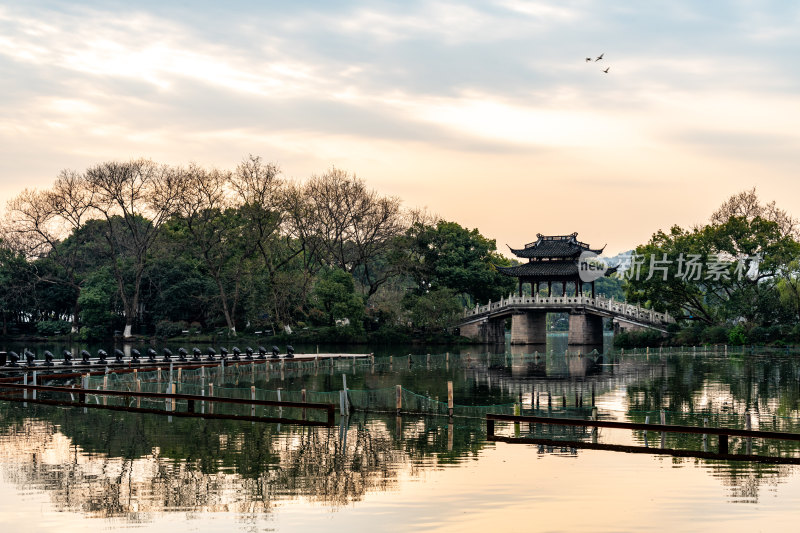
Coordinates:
485	112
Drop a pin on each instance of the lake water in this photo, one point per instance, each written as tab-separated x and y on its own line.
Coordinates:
63	469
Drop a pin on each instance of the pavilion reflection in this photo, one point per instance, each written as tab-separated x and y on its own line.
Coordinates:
115	464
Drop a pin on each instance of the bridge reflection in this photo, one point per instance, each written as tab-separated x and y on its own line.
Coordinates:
112	464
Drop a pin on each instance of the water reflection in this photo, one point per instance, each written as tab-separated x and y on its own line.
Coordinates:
125	465
106	464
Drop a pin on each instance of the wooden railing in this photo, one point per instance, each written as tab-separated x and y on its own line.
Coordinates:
722	433
190	399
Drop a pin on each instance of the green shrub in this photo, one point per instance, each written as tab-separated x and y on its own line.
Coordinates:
92	333
638	339
794	334
387	334
758	334
737	335
53	327
690	335
167	328
714	335
774	333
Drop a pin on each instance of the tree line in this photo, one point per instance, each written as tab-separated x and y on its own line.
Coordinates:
150	249
749	291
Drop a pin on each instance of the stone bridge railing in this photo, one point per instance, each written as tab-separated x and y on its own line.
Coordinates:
609	305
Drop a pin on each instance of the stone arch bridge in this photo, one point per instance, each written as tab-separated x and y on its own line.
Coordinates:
528	314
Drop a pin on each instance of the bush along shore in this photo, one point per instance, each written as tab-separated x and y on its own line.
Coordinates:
700	335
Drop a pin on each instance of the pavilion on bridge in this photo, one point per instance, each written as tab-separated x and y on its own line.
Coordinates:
552	258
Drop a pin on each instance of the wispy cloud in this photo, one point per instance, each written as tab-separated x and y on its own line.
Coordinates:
417	96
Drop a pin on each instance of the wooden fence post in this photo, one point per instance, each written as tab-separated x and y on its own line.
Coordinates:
398	398
346	395
748	425
105	386
450	399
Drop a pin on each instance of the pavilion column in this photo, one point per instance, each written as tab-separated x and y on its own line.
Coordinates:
563	288
578	288
549	288
520	287
593	296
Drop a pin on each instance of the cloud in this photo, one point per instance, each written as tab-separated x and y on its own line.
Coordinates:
542	10
143	48
417	96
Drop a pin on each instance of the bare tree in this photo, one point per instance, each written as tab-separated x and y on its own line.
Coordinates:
206	206
747	204
301	234
134	198
39	221
233	220
350	226
262	196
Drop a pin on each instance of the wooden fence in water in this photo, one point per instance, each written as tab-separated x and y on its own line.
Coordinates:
722	433
170	399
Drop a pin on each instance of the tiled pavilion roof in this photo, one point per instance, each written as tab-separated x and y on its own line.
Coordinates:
542	269
554	246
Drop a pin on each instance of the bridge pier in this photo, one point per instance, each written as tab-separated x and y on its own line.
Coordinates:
486	331
585	328
486	323
529	327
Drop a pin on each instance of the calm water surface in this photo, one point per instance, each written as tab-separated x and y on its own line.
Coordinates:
65	470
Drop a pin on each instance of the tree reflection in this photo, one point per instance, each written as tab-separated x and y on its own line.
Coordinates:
115	464
699	389
110	464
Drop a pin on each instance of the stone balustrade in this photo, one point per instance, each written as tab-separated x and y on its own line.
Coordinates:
620	309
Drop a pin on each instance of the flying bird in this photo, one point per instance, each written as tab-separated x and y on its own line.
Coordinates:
588	59
600	57
606	70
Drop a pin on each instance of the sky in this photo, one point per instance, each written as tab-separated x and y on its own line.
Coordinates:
484	113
